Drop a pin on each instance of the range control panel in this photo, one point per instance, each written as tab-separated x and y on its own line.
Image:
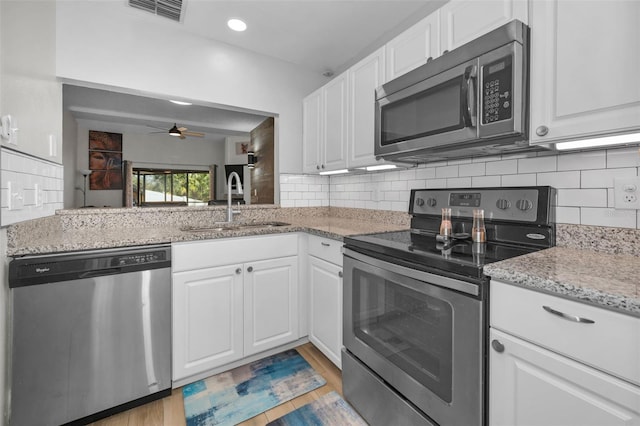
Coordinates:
518	204
497	91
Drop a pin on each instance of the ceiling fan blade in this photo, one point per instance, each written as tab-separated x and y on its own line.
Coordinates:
182	136
182	129
193	134
154	127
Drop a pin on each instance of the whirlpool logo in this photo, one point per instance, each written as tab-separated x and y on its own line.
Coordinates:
41	270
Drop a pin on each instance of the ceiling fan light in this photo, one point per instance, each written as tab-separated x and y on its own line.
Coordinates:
174	131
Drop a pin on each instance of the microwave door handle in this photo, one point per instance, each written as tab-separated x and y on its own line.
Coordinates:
469	96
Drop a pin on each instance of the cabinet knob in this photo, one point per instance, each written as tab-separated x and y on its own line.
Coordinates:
317	167
497	346
340	274
322	166
325	244
542	130
238	271
250	269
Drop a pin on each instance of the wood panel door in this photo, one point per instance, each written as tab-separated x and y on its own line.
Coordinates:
263	174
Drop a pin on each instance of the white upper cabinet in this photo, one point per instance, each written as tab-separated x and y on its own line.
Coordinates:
413	47
335	97
325	127
364	78
461	21
585	62
312	135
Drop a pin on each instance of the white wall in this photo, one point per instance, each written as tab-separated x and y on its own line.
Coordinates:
584	181
144	150
109	43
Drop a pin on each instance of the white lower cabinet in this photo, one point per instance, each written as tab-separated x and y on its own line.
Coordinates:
555	361
270	304
325	294
531	386
223	313
207	320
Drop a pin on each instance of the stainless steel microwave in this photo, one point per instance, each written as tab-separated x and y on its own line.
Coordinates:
472	101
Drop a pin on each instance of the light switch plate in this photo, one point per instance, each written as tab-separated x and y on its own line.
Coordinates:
627	193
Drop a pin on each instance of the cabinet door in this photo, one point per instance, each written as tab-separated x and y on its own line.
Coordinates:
271	304
334	152
464	20
364	78
312	132
325	322
532	386
207	319
413	47
583	84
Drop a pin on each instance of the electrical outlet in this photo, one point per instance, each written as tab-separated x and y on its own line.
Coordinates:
627	193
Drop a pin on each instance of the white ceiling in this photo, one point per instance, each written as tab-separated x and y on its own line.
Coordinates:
320	35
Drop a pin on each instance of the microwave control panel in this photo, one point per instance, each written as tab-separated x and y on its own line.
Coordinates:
497	91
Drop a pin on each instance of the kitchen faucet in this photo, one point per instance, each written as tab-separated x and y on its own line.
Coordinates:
230	211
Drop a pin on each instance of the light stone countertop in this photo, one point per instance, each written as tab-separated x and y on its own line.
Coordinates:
594	265
108	228
603	279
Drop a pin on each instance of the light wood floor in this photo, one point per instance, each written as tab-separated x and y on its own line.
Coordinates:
169	411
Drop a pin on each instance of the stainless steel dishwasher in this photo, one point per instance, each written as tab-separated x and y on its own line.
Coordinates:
90	333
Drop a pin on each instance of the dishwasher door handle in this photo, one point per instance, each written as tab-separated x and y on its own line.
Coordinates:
100	273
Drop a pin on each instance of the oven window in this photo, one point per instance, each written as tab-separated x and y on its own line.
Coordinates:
425	113
412	330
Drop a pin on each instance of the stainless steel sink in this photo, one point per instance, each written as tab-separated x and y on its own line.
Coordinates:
230	226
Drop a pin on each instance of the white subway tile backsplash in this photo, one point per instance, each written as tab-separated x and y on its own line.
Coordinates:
623	157
568	215
463	182
485	181
537	164
582	197
503	167
529	179
446	172
560	179
37	185
584	181
604	178
473	169
582	161
608	217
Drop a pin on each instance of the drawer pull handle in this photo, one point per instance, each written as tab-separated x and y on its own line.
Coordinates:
325	244
567	316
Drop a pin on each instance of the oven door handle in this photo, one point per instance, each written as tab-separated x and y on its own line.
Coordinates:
438	280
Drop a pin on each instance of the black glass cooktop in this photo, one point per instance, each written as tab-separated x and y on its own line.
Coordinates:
424	251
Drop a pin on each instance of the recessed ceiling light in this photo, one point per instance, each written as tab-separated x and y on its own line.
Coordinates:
236	25
180	102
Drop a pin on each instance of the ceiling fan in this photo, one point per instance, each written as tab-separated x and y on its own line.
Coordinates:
180	132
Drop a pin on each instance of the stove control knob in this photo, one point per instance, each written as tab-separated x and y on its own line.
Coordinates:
503	204
419	202
431	202
524	205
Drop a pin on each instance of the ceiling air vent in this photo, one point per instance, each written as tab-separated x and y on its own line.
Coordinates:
168	8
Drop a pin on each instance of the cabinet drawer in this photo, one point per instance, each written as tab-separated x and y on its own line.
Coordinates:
610	343
326	249
224	251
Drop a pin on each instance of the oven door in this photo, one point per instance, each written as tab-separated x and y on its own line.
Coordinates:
418	334
440	110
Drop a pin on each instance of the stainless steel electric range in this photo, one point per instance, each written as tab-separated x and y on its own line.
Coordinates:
416	304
